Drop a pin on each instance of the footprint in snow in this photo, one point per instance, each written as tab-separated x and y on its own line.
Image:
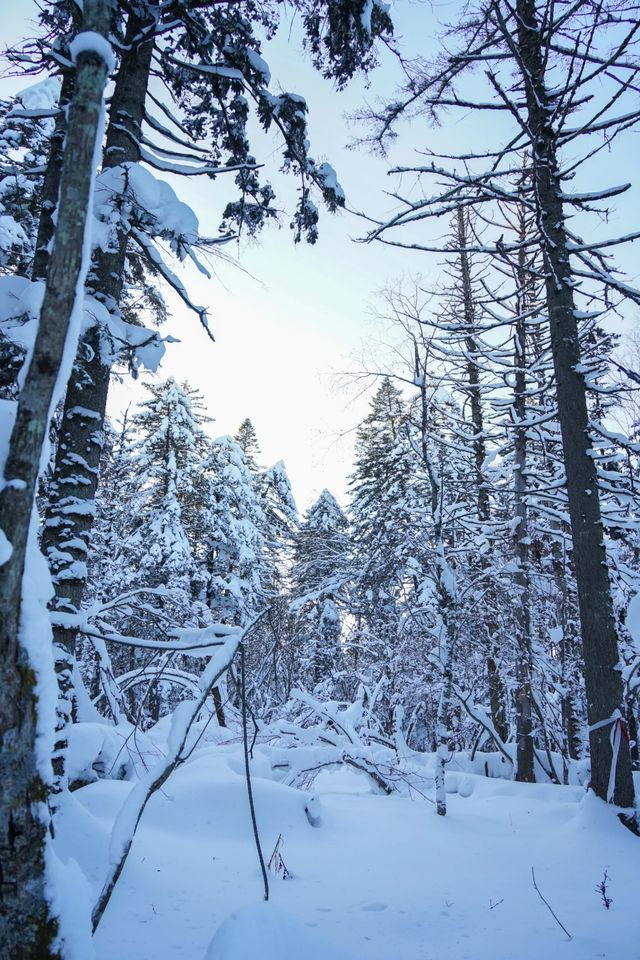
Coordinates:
374	907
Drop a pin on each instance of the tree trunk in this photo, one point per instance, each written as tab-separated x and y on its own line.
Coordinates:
599	638
26	930
524	726
51	183
71	507
494	680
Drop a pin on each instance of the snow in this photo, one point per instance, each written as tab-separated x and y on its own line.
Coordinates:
259	65
42	95
376	877
5	548
91	42
268	932
330	179
35	639
633	619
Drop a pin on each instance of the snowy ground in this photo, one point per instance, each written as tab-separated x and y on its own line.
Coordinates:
380	878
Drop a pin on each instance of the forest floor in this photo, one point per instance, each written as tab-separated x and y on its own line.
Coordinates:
378	878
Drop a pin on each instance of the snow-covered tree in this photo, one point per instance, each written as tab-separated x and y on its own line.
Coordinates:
232	536
27	712
319	589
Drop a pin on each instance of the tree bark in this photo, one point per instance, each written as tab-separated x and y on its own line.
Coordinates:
494	680
599	638
71	508
524	726
51	182
26	930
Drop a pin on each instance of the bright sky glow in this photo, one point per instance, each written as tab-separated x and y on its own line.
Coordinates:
291	318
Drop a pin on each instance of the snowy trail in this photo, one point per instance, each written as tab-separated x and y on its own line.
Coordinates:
380	878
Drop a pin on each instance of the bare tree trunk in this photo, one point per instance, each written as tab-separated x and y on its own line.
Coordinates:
494	681
599	638
26	930
524	725
525	755
445	590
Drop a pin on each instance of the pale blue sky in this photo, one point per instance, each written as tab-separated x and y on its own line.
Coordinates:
300	313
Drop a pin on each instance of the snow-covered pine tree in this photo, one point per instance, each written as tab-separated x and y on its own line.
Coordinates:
389	547
247	439
233	542
167	517
320	576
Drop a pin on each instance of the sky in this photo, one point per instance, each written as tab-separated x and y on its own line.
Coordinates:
291	320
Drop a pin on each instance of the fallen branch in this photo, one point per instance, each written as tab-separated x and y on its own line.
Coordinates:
548	905
375	776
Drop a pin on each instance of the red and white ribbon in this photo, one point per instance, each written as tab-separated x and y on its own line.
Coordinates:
618	731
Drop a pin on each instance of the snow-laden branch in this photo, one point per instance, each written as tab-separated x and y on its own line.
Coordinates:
127	821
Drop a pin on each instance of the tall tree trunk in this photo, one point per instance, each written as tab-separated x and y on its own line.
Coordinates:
599	638
446	592
71	507
494	681
26	930
524	726
525	750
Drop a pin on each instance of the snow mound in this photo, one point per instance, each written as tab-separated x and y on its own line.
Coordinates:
267	932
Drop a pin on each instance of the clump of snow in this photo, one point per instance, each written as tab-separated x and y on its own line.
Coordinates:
88	41
70	899
42	95
633	619
154	201
259	65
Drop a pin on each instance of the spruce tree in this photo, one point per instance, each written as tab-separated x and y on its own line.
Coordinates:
319	590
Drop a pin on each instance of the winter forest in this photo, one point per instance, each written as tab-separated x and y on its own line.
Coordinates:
394	718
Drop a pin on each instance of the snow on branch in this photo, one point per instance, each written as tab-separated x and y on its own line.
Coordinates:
154	256
127	821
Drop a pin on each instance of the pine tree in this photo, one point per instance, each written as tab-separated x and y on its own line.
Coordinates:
389	547
319	587
247	440
233	536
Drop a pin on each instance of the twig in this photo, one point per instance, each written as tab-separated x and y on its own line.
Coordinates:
245	743
548	906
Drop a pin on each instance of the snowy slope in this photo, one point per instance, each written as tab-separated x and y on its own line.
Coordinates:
379	878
